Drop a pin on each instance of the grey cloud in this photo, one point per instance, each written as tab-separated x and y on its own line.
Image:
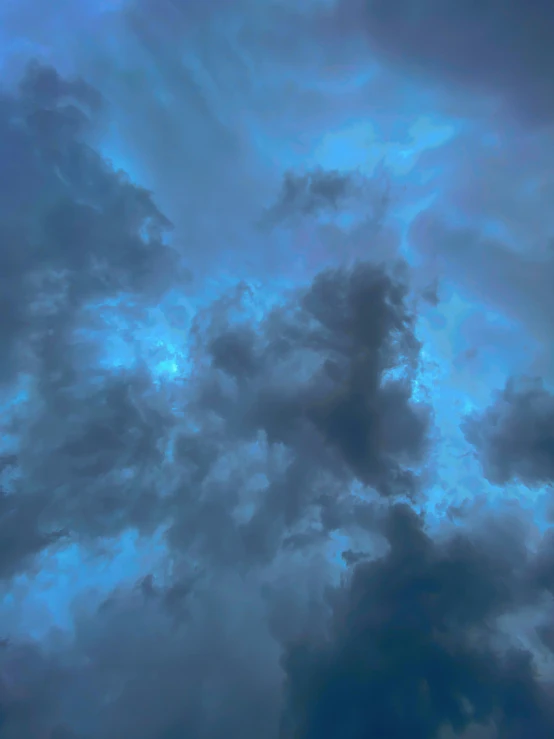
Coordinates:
514	437
486	237
411	641
74	234
250	461
430	294
72	229
499	48
233	352
140	665
411	649
308	383
89	464
22	537
182	88
308	386
311	378
512	281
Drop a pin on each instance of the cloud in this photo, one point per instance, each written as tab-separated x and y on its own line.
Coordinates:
75	234
314	193
73	230
415	639
412	639
304	399
514	437
247	463
412	648
201	477
133	668
89	464
90	461
498	48
485	234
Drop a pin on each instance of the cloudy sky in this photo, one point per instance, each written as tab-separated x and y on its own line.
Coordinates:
276	375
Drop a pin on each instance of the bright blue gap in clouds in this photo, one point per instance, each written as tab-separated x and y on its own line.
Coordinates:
111	152
125	339
357	147
38	603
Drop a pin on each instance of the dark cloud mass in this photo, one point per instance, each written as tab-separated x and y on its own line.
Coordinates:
266	468
515	435
74	233
311	382
503	47
410	651
73	230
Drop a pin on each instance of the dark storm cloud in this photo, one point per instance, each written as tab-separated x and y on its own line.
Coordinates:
308	386
514	437
412	650
411	644
72	233
89	464
135	669
22	536
498	47
72	230
293	430
311	377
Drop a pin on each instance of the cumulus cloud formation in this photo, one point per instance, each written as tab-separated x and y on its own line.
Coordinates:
514	436
73	230
275	482
74	233
410	651
305	400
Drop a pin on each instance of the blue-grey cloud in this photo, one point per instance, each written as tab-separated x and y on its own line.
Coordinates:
503	49
410	649
207	424
515	435
73	230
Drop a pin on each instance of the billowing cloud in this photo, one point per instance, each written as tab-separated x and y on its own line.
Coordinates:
310	387
138	667
413	650
416	639
215	436
75	234
73	230
515	435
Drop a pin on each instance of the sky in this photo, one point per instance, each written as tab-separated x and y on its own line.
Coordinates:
276	377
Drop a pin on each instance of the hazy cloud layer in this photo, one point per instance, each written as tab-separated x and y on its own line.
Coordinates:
503	48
